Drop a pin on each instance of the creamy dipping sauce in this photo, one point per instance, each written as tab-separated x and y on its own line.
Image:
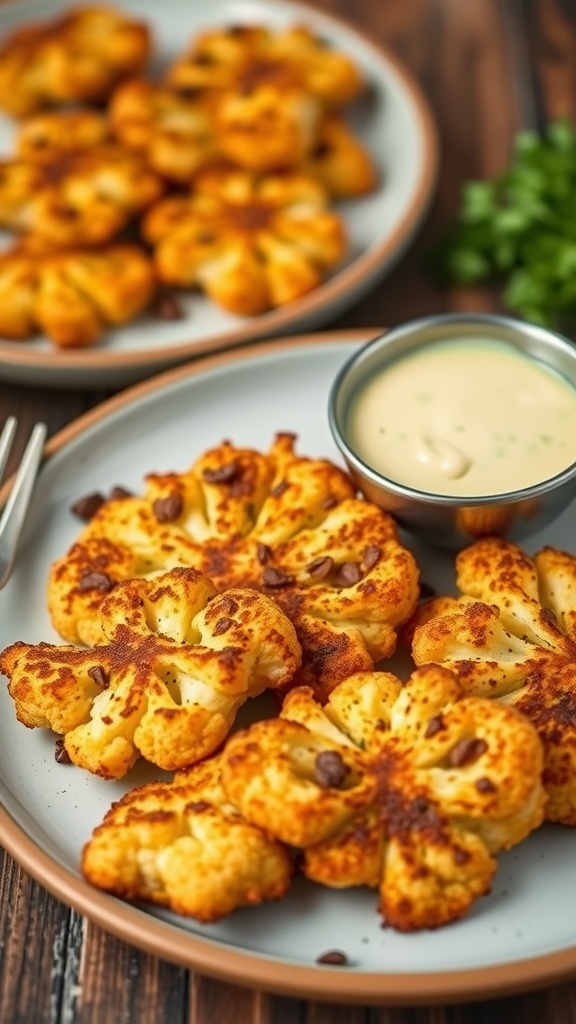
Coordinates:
467	417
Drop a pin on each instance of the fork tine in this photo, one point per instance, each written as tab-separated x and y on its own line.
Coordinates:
6	439
16	507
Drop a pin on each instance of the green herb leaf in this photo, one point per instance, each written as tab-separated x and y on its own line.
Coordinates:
519	228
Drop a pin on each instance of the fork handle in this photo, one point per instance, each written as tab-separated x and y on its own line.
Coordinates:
16	507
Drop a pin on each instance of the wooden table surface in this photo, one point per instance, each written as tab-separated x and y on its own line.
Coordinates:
487	68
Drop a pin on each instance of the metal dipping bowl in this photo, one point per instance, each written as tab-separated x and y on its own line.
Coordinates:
440	519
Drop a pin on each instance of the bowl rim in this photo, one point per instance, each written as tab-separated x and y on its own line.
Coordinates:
545	336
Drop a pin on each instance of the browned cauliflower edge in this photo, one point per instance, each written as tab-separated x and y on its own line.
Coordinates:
77	57
182	845
411	789
408	789
267	91
73	296
511	636
176	662
174	133
286	525
250	242
83	196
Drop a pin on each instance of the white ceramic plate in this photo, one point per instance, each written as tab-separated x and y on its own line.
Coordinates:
394	122
522	935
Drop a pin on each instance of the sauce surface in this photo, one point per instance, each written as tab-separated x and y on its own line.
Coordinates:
465	417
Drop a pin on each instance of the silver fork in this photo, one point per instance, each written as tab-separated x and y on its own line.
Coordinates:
16	507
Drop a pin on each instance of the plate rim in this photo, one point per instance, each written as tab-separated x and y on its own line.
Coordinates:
14	354
211	957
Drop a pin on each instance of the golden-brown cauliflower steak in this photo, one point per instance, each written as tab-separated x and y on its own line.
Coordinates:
49	136
73	296
341	161
78	57
512	636
411	789
286	525
267	90
250	243
174	133
177	662
184	846
76	197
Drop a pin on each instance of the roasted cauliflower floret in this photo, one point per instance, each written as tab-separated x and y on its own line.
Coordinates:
511	635
79	197
267	90
177	662
271	773
174	134
184	846
283	524
409	789
250	243
341	161
49	136
242	56
78	57
73	296
266	127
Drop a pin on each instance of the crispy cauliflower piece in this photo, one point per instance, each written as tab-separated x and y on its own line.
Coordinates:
174	133
72	296
340	160
77	197
267	127
178	661
223	60
267	91
511	635
251	243
409	789
270	775
78	57
124	541
283	524
184	846
49	136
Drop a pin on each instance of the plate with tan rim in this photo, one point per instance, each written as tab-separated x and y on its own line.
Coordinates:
521	936
394	122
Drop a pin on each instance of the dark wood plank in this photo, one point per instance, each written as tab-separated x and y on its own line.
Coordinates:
212	1000
552	44
57	967
328	1013
461	55
109	982
33	948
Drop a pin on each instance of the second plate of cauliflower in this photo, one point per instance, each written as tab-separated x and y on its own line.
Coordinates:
94	135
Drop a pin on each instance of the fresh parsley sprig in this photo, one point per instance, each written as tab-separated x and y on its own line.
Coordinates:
520	228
